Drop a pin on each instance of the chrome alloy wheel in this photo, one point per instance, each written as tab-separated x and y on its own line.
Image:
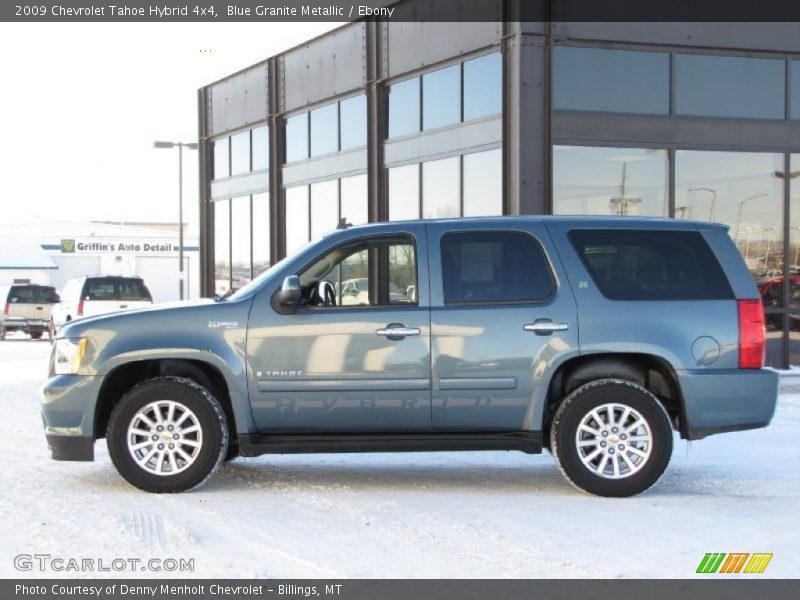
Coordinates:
614	441
164	437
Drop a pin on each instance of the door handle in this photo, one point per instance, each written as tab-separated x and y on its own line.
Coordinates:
545	327
397	331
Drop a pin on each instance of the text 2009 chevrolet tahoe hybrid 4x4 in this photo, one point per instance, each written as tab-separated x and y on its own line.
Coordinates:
592	337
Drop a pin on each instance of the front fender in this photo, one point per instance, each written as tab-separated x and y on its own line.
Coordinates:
231	367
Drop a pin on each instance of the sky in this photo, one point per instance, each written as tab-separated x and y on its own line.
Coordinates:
82	104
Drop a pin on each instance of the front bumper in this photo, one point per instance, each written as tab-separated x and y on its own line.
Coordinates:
70	447
68	408
723	400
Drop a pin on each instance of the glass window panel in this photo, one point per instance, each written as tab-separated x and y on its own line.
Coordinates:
260	141
347	267
729	86
261	237
221	158
354	199
794	265
651	265
296	218
325	129
744	191
483	86
402	274
404	193
609	181
441	97
794	75
494	266
222	247
404	107
240	241
596	79
324	207
240	153
440	188
483	183
353	114
297	137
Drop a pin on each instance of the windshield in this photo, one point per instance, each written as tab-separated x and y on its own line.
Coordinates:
256	283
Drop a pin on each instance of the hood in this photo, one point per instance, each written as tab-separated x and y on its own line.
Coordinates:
144	315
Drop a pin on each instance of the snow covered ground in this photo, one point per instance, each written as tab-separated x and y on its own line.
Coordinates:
492	514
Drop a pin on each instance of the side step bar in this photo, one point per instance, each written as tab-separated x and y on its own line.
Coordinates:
256	444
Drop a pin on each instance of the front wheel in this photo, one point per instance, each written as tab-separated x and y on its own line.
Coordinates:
611	437
167	434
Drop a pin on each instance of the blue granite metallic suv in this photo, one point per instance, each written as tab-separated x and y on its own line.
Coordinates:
596	338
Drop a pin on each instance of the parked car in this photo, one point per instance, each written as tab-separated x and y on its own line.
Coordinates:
771	292
93	295
26	308
594	338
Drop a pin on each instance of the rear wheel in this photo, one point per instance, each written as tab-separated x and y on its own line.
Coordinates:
611	437
36	335
51	331
167	434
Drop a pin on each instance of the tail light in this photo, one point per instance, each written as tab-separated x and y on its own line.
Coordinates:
5	310
80	308
751	334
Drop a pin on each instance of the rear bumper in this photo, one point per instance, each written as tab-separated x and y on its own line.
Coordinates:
25	325
723	400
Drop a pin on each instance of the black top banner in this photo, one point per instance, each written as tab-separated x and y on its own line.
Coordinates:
403	10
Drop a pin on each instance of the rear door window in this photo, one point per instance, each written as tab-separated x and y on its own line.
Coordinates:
651	265
32	294
130	290
494	267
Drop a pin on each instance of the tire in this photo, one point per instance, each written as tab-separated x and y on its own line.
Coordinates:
51	331
2	332
36	335
204	442
621	467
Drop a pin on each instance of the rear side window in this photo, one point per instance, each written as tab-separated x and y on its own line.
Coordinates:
32	294
130	290
651	265
494	267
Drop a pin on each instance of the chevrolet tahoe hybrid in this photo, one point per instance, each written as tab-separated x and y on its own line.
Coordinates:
595	338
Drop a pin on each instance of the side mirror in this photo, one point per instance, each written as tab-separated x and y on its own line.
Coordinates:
290	294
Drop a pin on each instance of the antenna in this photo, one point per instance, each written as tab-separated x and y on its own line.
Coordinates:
343	224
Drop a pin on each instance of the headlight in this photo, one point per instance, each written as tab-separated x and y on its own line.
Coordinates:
68	355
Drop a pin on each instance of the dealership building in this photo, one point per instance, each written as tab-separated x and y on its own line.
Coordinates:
52	252
380	121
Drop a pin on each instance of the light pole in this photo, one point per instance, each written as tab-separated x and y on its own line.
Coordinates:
713	199
739	213
180	146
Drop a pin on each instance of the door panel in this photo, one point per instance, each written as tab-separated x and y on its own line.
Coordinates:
487	365
335	369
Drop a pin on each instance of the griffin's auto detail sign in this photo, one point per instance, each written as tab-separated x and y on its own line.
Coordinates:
155	246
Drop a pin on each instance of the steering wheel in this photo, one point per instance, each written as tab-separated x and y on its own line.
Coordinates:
325	294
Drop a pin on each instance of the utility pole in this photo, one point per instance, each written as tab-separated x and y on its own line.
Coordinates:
623	202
